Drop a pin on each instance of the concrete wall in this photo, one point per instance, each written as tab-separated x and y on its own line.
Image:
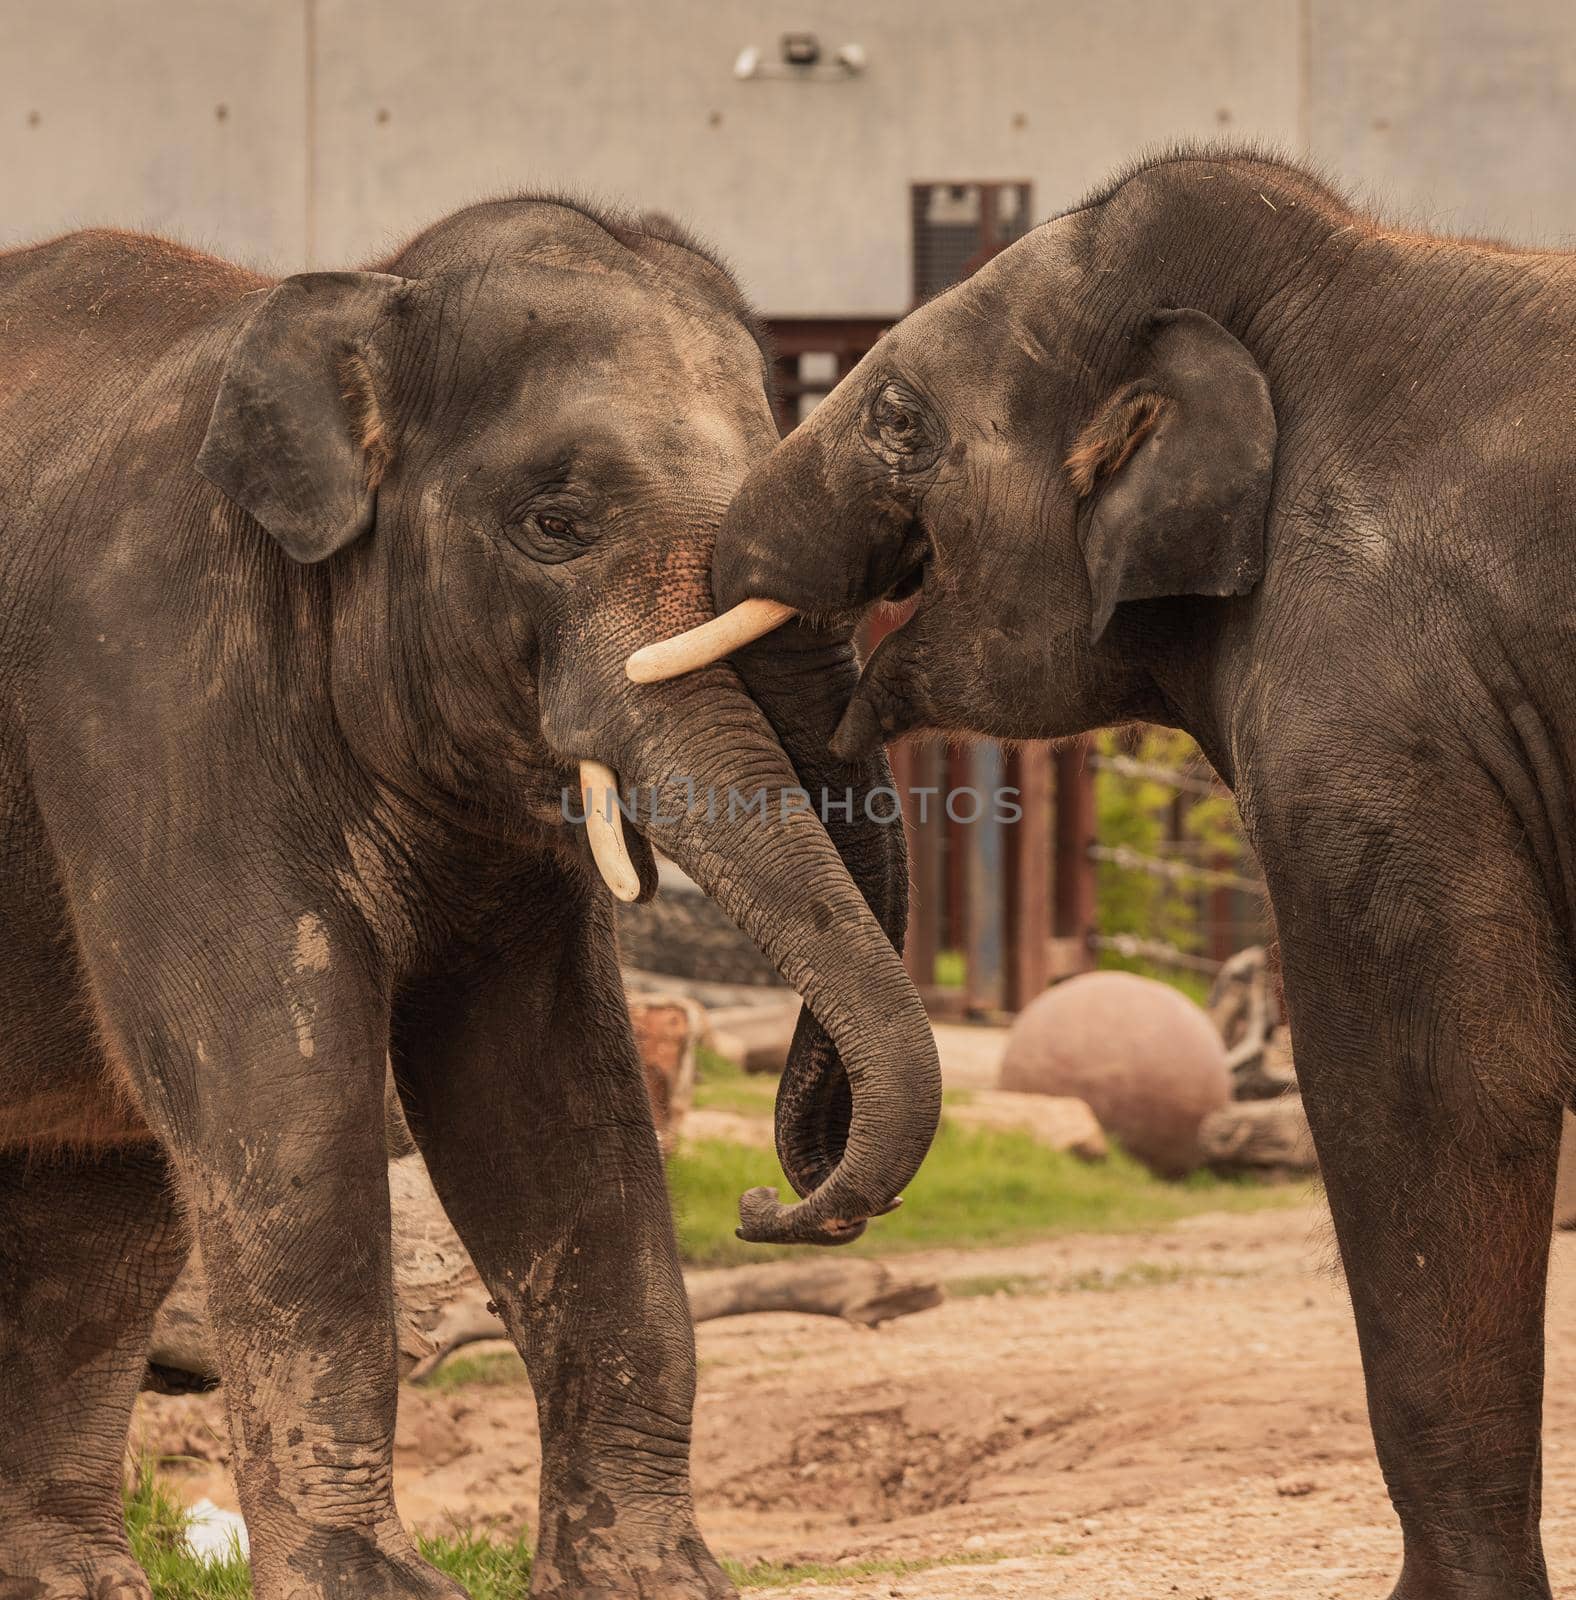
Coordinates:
296	132
183	118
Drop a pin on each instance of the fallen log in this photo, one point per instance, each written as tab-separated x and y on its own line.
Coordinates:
862	1292
1256	1135
442	1305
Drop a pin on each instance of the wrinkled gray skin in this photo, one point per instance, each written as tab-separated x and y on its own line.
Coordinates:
282	741
1319	514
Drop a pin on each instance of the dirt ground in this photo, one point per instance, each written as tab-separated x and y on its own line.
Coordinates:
1174	1413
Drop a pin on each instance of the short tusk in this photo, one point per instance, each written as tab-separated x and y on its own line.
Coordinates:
711	641
605	830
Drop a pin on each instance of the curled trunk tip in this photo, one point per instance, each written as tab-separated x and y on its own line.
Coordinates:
764	1219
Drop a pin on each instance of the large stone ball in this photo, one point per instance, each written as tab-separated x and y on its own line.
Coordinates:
1147	1060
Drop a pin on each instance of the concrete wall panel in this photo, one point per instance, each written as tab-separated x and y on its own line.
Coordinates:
803	184
1454	116
177	116
298	132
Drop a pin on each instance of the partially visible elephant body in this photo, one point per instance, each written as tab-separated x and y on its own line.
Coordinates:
314	599
1219	450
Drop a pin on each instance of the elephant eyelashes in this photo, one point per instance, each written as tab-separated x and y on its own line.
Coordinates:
899	429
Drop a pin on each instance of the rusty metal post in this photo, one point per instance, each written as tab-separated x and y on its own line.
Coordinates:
972	809
924	866
1075	882
1027	856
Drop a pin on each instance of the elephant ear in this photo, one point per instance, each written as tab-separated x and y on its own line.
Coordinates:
299	436
1180	463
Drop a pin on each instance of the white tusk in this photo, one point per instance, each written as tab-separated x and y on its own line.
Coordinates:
605	830
711	641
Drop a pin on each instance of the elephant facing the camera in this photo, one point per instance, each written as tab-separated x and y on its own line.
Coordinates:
314	599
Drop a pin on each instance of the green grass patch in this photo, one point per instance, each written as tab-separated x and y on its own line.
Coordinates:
979	1186
491	1569
492	1369
156	1521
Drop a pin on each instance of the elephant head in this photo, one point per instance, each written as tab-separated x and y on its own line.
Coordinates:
509	452
1069	457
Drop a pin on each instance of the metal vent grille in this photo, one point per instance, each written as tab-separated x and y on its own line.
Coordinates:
958	227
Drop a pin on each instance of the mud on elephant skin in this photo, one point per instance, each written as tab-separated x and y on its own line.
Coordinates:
284	737
1217	450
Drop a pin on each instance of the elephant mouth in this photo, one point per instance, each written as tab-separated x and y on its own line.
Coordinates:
755	617
909	586
910	568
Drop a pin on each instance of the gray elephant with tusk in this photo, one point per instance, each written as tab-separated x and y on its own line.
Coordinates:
315	597
1219	450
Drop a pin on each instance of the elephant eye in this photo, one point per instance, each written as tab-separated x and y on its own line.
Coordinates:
898	423
558	527
892	418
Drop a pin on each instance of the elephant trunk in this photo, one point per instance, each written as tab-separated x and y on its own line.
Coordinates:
861	1101
801	678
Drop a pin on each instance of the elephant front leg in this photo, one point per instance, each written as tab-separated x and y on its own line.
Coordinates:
1430	1050
526	1096
264	1077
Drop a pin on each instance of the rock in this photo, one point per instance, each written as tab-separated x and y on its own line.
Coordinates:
1565	1185
1148	1062
1058	1122
1294	1488
1259	1135
667	1031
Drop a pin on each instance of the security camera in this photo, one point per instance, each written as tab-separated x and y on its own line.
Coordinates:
852	57
801	49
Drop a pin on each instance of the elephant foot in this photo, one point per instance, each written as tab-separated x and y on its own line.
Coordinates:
595	1563
1494	1580
114	1576
352	1567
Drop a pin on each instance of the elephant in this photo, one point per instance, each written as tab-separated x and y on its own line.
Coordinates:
314	597
1218	450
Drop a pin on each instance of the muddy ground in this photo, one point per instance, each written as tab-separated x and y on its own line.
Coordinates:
1175	1413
